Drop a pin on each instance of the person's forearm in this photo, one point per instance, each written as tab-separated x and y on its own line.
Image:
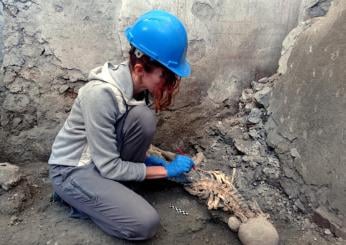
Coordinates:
155	172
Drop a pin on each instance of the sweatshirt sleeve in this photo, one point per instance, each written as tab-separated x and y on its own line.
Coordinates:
100	110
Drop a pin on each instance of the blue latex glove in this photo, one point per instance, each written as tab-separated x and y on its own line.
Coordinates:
154	161
181	164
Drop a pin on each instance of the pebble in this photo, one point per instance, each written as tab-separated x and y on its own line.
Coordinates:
327	232
63	88
263	80
15	220
255	116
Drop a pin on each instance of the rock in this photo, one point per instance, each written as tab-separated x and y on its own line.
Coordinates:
257	159
318	8
263	80
258	231
325	219
300	206
234	223
251	148
327	232
254	116
257	86
15	220
253	164
276	141
273	161
271	173
63	88
307	224
294	153
246	95
288	172
13	203
249	106
9	175
262	97
290	187
254	134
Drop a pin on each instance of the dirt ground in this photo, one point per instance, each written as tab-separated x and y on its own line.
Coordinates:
39	221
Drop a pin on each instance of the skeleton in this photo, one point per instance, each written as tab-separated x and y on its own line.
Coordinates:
220	192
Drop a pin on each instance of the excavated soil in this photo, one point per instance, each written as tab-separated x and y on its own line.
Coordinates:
42	222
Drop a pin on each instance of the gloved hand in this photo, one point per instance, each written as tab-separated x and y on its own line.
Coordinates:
181	164
154	161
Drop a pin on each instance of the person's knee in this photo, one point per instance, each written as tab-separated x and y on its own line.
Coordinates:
145	119
134	229
147	226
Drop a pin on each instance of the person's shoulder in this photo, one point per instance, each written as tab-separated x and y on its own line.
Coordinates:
97	90
96	86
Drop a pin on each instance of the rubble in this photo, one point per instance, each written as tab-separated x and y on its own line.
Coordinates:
251	148
9	175
262	96
254	116
220	193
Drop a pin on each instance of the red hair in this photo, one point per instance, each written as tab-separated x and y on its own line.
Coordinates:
163	95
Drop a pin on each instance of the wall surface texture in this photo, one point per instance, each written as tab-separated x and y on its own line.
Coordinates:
307	125
50	46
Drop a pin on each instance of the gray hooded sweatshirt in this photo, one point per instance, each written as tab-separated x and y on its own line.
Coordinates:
89	134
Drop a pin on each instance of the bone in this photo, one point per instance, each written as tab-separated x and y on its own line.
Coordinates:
219	192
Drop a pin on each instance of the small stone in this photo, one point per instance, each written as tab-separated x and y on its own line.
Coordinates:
254	134
248	147
63	88
249	106
14	220
300	206
262	97
246	95
271	173
253	164
327	232
16	121
307	224
294	153
9	175
254	116
263	80
257	86
246	136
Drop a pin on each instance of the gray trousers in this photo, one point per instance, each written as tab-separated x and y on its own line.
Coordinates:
111	205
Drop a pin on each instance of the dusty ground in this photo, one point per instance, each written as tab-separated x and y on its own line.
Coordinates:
44	222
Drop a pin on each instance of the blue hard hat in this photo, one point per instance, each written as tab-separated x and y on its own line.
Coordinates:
162	37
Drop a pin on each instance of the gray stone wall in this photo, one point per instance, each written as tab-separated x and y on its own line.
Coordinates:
49	47
307	125
1	34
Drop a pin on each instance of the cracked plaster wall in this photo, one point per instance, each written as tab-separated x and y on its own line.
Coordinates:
307	124
49	47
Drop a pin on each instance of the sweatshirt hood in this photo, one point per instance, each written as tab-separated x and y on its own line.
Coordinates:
118	76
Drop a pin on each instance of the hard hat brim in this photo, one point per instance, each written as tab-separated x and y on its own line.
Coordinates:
183	70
